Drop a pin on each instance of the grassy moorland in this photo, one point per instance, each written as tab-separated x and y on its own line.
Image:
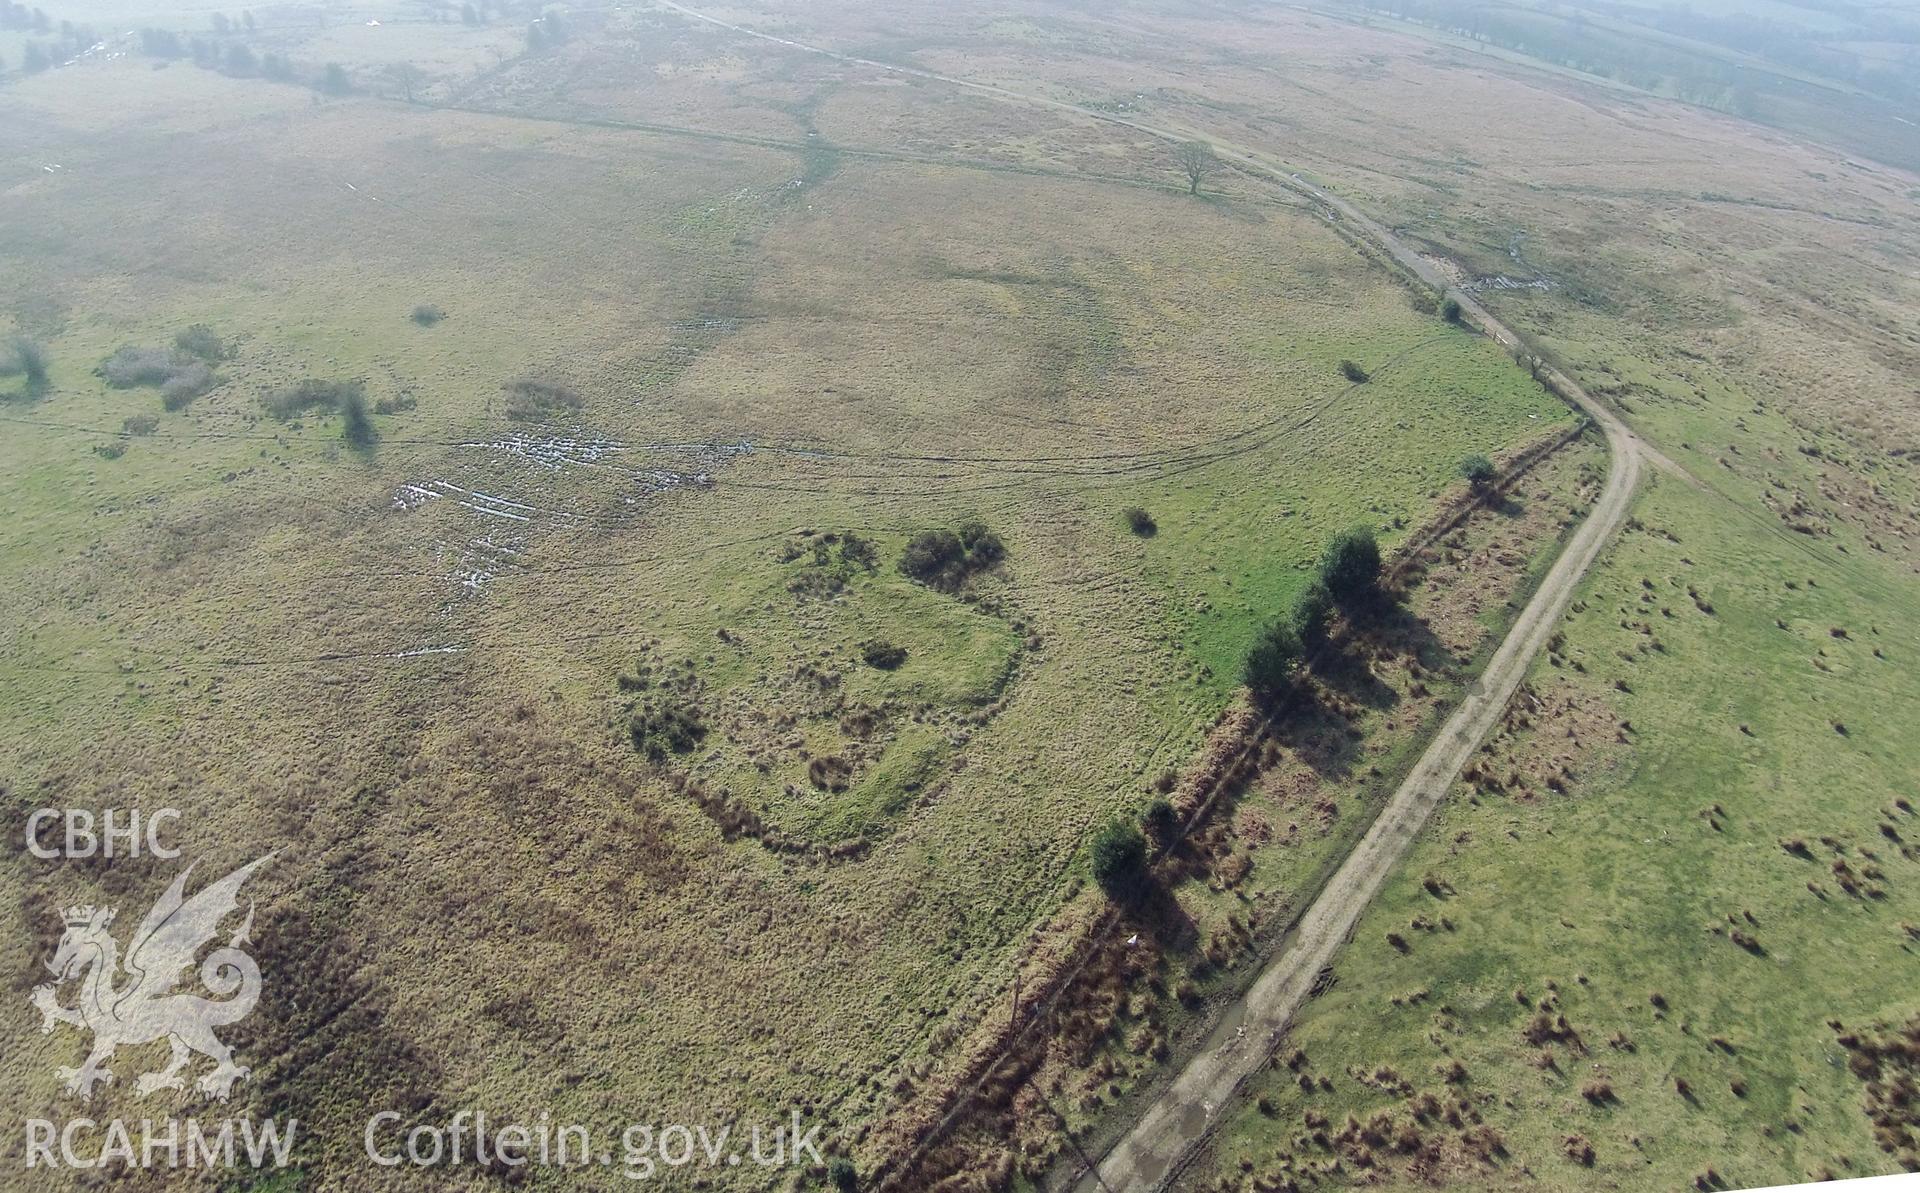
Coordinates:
557	674
1747	301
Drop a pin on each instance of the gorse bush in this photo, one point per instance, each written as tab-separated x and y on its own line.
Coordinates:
130	366
1141	522
1353	372
532	400
356	425
426	314
1271	661
1312	609
666	726
28	359
823	572
187	383
859	552
1120	859
312	393
886	656
946	559
181	373
202	343
1478	469
1351	566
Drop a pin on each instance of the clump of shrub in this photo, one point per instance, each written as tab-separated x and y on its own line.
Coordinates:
1271	661
1350	568
832	773
310	394
1353	372
202	343
113	449
28	359
356	425
181	373
426	314
1478	470
886	656
1161	820
532	400
666	726
1312	609
1141	522
130	366
945	560
189	382
140	424
827	572
859	552
1450	310
1120	859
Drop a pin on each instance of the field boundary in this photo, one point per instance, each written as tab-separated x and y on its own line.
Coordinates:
1216	773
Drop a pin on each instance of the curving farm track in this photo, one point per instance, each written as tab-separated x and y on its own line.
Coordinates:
1173	1125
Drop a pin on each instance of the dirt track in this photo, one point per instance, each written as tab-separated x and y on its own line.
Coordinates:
1154	1150
1185	1112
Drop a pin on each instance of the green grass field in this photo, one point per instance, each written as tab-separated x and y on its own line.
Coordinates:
1633	881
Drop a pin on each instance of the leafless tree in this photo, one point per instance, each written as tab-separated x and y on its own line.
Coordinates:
407	77
1197	160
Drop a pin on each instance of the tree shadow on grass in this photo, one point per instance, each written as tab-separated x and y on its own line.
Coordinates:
1308	720
1157	915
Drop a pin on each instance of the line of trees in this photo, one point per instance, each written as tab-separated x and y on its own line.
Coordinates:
20	17
66	42
1348	579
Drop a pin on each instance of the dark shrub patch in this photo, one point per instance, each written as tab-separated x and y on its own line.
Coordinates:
884	655
1351	566
1270	663
201	343
356	426
530	400
830	774
1311	610
1120	859
666	727
130	366
945	560
311	394
1141	522
187	383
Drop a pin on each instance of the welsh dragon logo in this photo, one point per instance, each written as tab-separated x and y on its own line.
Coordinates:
144	1007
